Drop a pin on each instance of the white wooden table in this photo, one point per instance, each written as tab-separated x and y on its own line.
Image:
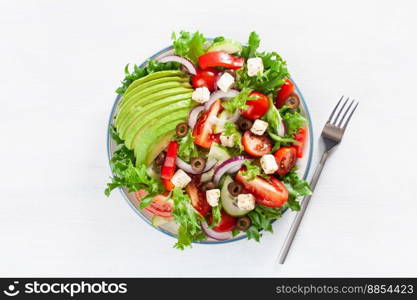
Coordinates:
60	64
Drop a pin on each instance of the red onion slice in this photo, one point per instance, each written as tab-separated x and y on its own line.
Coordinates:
187	167
281	129
185	62
220	236
230	165
193	115
219	95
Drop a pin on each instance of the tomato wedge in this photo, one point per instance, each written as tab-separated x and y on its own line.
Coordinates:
159	206
286	89
198	198
205	78
256	145
256	107
286	158
300	137
203	129
271	192
220	59
227	222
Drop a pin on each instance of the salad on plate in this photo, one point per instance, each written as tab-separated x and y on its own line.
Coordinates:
208	137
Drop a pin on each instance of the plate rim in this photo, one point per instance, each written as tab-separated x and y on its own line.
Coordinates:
138	212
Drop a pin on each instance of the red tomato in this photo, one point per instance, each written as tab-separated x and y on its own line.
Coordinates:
205	78
198	198
286	158
168	168
256	145
227	222
301	138
286	89
220	59
257	107
159	205
169	186
203	129
271	192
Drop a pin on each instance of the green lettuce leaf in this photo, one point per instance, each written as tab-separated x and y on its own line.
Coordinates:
187	218
187	149
189	45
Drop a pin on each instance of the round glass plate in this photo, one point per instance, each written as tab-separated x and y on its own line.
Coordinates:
170	228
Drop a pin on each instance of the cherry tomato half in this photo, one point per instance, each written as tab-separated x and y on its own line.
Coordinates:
198	198
268	192
286	158
203	129
256	145
159	206
286	90
257	107
227	222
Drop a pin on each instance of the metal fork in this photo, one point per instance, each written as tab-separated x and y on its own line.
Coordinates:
332	135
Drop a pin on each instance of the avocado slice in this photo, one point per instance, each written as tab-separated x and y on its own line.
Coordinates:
155	82
154	138
152	90
144	122
121	115
153	76
136	111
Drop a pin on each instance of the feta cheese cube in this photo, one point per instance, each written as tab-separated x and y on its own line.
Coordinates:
180	179
259	127
225	82
246	201
269	164
227	141
213	197
201	94
255	66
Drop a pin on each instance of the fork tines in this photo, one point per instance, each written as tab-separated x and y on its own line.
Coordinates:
334	121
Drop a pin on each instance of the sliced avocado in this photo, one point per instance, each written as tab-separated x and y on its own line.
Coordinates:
155	82
152	138
154	125
121	115
228	46
157	148
153	76
127	117
152	90
147	121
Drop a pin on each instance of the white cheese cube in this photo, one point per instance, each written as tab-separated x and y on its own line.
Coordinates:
269	164
180	179
255	66
213	197
246	201
227	141
259	127
225	82
201	94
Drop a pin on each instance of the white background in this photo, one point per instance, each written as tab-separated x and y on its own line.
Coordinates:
60	62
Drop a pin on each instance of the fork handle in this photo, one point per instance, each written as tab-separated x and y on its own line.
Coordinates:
299	216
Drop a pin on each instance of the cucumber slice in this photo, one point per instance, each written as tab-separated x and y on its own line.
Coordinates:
218	153
229	202
228	46
159	221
